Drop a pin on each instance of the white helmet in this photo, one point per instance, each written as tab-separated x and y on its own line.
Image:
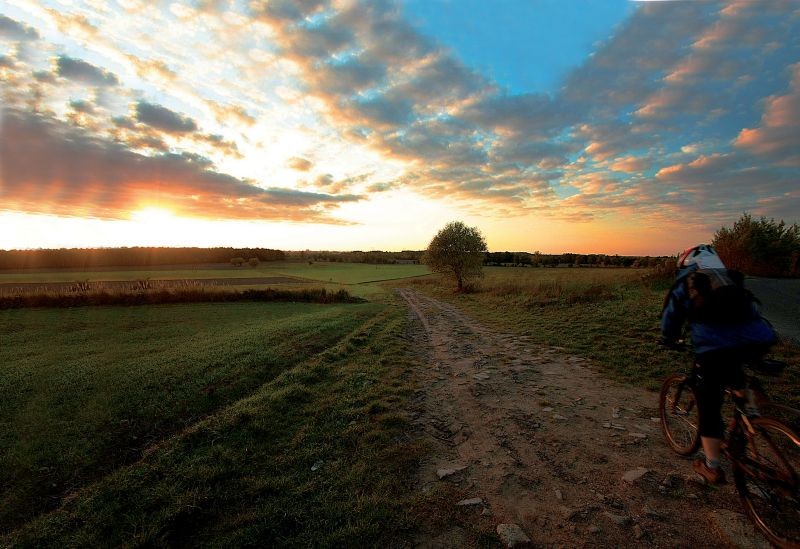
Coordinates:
703	255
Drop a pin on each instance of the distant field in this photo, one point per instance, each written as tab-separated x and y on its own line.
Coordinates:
86	390
334	273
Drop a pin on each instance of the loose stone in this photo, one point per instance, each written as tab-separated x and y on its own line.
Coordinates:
634	474
470	501
621	520
448	471
512	535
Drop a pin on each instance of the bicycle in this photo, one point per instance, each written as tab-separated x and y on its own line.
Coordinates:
764	451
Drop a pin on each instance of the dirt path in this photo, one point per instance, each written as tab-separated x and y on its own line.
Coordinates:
544	442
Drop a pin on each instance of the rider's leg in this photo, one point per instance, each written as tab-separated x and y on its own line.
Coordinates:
709	389
711	449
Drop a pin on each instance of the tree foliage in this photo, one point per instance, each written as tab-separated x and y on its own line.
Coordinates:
458	251
760	246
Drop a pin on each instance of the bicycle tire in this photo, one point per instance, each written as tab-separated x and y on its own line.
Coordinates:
680	417
767	476
785	414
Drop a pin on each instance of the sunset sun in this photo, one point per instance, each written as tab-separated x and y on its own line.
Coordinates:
153	215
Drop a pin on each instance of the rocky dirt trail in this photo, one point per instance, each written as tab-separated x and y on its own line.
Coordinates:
549	450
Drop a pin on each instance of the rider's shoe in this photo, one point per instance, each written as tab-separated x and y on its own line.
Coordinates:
713	476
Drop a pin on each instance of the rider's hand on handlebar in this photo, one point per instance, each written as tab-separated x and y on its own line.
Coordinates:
674	344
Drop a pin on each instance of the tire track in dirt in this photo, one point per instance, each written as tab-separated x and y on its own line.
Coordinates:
544	442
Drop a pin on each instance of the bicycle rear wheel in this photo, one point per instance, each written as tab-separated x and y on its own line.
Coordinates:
767	475
680	418
785	414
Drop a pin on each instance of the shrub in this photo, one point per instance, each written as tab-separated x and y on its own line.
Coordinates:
182	295
760	246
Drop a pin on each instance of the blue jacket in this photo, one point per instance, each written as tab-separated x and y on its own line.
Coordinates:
706	337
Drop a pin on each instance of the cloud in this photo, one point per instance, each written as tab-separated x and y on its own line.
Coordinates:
630	164
324	180
533	116
778	137
152	69
286	11
695	92
300	164
627	67
727	183
699	168
382	83
14	30
319	41
163	118
86	73
345	78
82	106
74	25
381	187
226	114
218	143
608	139
88	176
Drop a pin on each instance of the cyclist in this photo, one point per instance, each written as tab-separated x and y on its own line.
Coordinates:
722	340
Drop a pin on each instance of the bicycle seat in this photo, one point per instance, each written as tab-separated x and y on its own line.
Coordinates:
767	366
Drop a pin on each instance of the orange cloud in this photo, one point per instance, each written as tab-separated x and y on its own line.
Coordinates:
778	137
87	176
630	164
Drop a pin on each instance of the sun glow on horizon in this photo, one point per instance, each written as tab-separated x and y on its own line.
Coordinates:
153	214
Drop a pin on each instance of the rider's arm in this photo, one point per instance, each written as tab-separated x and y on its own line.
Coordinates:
674	314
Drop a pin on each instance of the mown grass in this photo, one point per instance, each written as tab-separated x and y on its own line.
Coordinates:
318	456
608	315
339	273
86	390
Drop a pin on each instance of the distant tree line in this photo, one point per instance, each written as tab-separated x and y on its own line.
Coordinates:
372	257
82	258
537	259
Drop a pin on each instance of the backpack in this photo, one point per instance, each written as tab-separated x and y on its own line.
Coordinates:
718	296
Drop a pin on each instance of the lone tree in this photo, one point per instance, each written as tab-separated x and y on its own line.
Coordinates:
458	251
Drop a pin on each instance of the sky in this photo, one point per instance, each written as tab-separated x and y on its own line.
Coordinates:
589	126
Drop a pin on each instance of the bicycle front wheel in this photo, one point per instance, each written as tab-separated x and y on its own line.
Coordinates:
767	474
680	418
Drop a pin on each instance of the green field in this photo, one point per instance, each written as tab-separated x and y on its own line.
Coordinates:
281	424
336	273
112	402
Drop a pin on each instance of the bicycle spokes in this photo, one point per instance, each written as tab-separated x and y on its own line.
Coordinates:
679	415
766	472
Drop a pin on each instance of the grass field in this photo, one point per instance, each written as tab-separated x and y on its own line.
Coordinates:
86	392
280	424
336	273
611	316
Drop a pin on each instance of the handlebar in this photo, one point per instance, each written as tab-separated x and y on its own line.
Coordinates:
761	365
675	345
